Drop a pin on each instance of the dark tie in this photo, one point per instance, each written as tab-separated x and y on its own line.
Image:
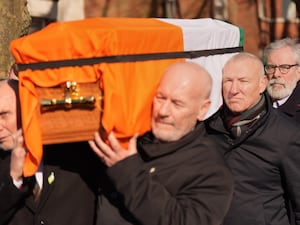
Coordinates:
36	191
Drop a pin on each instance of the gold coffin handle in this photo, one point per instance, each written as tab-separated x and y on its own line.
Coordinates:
68	102
71	93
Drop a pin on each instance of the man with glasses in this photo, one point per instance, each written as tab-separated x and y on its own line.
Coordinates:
282	60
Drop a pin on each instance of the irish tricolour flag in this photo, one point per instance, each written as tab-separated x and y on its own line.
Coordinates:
128	54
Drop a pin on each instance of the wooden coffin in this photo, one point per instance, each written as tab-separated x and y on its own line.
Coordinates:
69	112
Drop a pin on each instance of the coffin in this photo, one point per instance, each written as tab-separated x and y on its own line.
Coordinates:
69	112
116	64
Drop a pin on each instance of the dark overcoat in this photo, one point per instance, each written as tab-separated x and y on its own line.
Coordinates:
292	106
184	182
265	163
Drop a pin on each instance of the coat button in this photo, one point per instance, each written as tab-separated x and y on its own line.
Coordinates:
152	170
230	141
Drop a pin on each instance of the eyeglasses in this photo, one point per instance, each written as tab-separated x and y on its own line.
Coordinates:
284	68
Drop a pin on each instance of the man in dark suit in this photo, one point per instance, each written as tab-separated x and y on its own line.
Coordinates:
262	147
282	67
63	190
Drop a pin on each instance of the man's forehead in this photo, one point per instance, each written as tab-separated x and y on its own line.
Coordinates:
7	98
238	71
239	75
278	54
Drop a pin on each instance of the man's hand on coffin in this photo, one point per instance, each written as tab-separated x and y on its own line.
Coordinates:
112	152
17	156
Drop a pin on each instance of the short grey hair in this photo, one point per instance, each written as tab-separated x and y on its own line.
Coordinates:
285	42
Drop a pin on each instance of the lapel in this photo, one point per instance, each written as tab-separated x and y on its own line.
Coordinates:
50	175
29	201
49	182
292	105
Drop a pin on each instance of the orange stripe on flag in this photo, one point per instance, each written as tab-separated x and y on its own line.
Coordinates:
128	87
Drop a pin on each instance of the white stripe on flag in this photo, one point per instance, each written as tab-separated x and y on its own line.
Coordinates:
203	34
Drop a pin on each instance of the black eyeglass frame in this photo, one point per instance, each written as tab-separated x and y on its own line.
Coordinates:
283	68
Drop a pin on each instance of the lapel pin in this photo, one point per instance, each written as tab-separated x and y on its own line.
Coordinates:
51	178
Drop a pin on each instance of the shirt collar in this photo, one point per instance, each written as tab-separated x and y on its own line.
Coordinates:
280	102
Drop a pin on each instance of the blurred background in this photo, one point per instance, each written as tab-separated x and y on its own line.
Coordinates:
262	20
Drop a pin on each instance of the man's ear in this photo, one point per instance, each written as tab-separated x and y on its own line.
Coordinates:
298	72
263	84
203	109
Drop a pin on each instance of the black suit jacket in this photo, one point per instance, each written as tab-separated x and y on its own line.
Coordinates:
292	106
69	189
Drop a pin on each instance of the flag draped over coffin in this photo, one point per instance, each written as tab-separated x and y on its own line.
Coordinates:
128	86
